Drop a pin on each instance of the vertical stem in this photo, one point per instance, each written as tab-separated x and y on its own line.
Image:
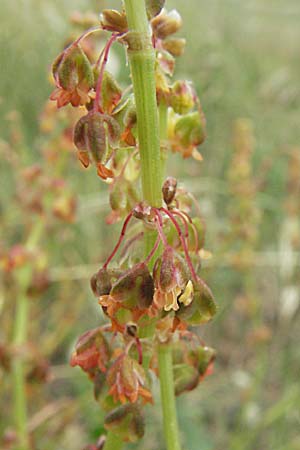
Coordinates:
141	56
20	337
113	442
20	407
167	397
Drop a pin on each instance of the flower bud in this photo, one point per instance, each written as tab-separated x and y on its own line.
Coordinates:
111	93
154	7
182	97
175	46
127	422
166	23
135	288
186	378
74	77
169	190
113	20
202	308
91	352
205	359
127	378
190	130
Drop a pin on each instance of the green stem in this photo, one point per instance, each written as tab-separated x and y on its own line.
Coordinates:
141	56
113	442
151	128
167	397
20	407
23	277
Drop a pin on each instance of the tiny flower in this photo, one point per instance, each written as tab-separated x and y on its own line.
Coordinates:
92	352
127	422
127	378
202	308
182	97
171	277
73	77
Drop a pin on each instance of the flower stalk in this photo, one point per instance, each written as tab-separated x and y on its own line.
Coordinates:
24	276
151	127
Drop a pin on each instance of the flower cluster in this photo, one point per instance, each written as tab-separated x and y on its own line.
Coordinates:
162	290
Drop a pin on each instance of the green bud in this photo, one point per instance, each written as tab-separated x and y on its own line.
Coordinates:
118	197
111	92
190	129
127	422
186	378
182	97
72	68
205	356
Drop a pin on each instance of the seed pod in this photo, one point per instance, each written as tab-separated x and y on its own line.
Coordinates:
72	69
113	20
182	97
202	308
101	283
89	135
169	190
135	288
186	378
92	352
166	23
175	46
127	422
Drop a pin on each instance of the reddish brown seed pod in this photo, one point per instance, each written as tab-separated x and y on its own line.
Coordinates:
169	190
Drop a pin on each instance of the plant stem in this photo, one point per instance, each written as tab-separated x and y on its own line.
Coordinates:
167	397
151	128
23	277
141	56
113	442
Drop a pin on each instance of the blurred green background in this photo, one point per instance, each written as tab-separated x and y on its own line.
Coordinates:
243	58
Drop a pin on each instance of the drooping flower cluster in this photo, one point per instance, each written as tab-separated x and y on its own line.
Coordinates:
162	290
